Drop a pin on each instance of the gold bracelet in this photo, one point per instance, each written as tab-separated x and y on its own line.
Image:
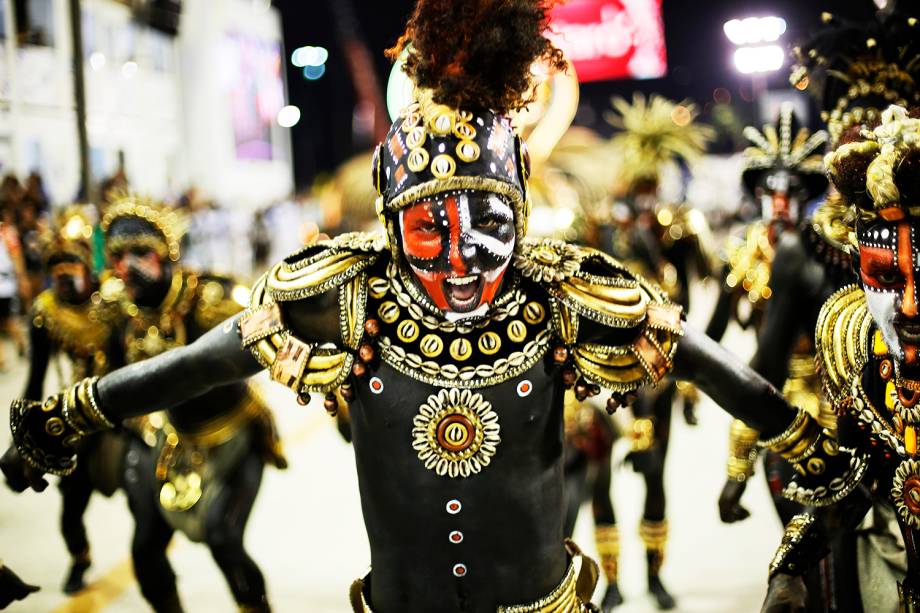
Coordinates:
790	433
93	412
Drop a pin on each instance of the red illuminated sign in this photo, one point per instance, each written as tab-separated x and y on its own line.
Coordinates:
611	39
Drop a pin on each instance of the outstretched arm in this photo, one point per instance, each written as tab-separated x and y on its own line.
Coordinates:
215	359
47	435
730	383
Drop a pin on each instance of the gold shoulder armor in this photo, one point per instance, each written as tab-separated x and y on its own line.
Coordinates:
841	339
78	329
305	366
590	284
319	267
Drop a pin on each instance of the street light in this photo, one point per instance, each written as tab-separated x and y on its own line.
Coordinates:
288	116
753	37
754	30
765	58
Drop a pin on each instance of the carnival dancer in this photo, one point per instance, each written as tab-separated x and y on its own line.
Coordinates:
663	241
73	319
867	350
785	272
856	69
198	467
589	437
453	338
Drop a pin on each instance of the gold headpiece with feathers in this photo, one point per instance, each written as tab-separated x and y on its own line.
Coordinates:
785	146
167	225
857	68
653	132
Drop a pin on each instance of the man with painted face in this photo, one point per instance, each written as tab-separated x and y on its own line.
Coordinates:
459	245
197	469
453	337
867	351
73	320
779	271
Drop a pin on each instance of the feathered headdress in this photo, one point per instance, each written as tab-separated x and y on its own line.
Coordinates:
879	176
855	69
785	146
471	65
655	132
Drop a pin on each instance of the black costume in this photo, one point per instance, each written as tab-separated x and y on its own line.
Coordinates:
867	352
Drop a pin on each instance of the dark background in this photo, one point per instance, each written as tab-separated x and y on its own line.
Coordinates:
699	62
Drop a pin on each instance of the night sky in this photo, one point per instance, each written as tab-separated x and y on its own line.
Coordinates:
699	61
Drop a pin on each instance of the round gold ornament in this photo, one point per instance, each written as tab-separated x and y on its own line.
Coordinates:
455	433
431	345
489	343
905	492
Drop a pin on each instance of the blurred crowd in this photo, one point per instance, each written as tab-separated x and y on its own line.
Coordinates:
216	238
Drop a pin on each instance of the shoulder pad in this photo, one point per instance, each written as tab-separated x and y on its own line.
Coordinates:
588	283
841	340
319	267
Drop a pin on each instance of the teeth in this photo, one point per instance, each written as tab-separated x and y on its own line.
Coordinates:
462	280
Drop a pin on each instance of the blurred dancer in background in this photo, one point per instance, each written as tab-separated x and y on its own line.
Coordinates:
198	467
72	319
664	241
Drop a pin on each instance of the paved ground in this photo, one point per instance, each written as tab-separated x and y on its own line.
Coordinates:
307	534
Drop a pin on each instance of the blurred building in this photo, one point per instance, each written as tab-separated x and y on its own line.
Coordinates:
179	93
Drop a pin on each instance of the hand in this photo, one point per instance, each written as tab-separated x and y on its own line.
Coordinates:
19	475
730	509
47	434
786	594
12	587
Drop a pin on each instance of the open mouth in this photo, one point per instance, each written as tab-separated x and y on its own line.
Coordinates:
463	293
908	331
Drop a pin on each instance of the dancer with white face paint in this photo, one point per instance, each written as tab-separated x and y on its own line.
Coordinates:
458	247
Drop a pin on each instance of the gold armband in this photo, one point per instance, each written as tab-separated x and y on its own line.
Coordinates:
742	451
798	441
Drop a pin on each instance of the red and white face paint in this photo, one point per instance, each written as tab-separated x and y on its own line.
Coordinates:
889	265
458	246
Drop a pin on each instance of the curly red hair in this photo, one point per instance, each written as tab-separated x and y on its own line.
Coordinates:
478	53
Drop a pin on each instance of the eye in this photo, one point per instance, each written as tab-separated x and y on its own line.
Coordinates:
889	277
426	226
487	223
